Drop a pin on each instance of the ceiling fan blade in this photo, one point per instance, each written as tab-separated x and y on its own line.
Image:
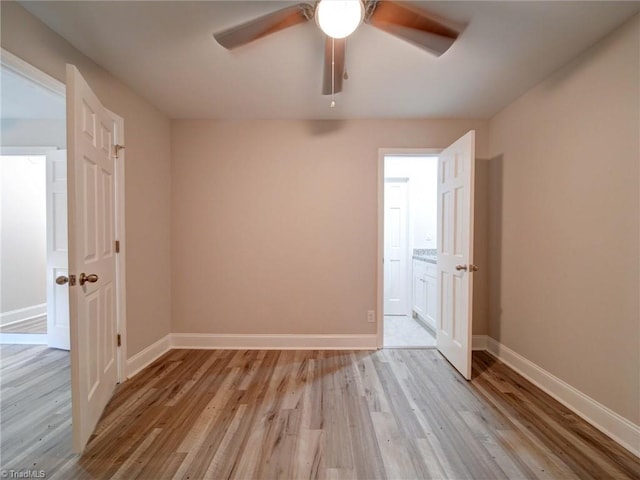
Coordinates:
339	45
263	26
416	26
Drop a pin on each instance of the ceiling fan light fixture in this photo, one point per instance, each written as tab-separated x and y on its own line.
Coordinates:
339	18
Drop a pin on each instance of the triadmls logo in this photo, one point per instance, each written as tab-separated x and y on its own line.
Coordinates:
23	474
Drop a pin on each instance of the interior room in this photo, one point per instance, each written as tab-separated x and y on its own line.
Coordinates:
226	241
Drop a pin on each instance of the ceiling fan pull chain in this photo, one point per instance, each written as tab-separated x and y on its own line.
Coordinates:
333	74
333	71
345	75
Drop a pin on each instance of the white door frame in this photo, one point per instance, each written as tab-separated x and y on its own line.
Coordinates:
33	74
383	152
58	333
121	263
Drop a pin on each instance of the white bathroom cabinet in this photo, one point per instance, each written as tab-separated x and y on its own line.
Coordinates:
425	291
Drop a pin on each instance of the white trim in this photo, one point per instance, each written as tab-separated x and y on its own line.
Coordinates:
205	341
479	342
382	152
121	258
380	254
20	314
604	419
32	74
409	152
273	341
146	357
23	338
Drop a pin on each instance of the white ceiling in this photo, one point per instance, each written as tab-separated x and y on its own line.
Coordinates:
166	52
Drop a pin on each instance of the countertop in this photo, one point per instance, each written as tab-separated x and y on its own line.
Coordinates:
428	255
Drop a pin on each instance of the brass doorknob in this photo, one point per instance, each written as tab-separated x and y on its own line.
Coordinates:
62	279
91	278
474	268
461	267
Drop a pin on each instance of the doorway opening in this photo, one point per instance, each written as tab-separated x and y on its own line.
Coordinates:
33	134
410	248
454	265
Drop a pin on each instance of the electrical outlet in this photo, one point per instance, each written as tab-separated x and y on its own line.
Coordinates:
371	316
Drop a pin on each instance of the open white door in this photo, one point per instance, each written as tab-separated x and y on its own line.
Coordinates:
92	259
395	247
57	251
455	252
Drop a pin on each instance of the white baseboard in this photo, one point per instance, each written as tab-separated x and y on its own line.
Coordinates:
21	314
479	342
274	342
604	419
147	356
24	338
246	342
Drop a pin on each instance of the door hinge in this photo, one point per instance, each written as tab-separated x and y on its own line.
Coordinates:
116	150
117	246
119	339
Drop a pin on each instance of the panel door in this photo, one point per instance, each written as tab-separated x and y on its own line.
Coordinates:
455	252
92	306
396	294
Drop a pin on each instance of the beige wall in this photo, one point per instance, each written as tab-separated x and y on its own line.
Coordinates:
148	181
565	243
274	223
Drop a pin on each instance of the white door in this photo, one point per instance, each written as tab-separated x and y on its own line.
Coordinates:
57	261
92	300
455	252
395	247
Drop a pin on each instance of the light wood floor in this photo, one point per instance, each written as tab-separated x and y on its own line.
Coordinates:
285	414
37	325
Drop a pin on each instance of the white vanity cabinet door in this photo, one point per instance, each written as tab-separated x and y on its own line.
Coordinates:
419	288
431	291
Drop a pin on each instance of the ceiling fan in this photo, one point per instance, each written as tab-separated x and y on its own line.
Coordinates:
338	19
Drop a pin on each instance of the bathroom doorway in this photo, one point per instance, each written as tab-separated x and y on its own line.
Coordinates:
409	251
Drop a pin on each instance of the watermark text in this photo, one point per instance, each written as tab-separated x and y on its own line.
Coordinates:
23	474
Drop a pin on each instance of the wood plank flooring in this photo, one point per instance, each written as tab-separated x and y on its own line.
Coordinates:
304	414
35	407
